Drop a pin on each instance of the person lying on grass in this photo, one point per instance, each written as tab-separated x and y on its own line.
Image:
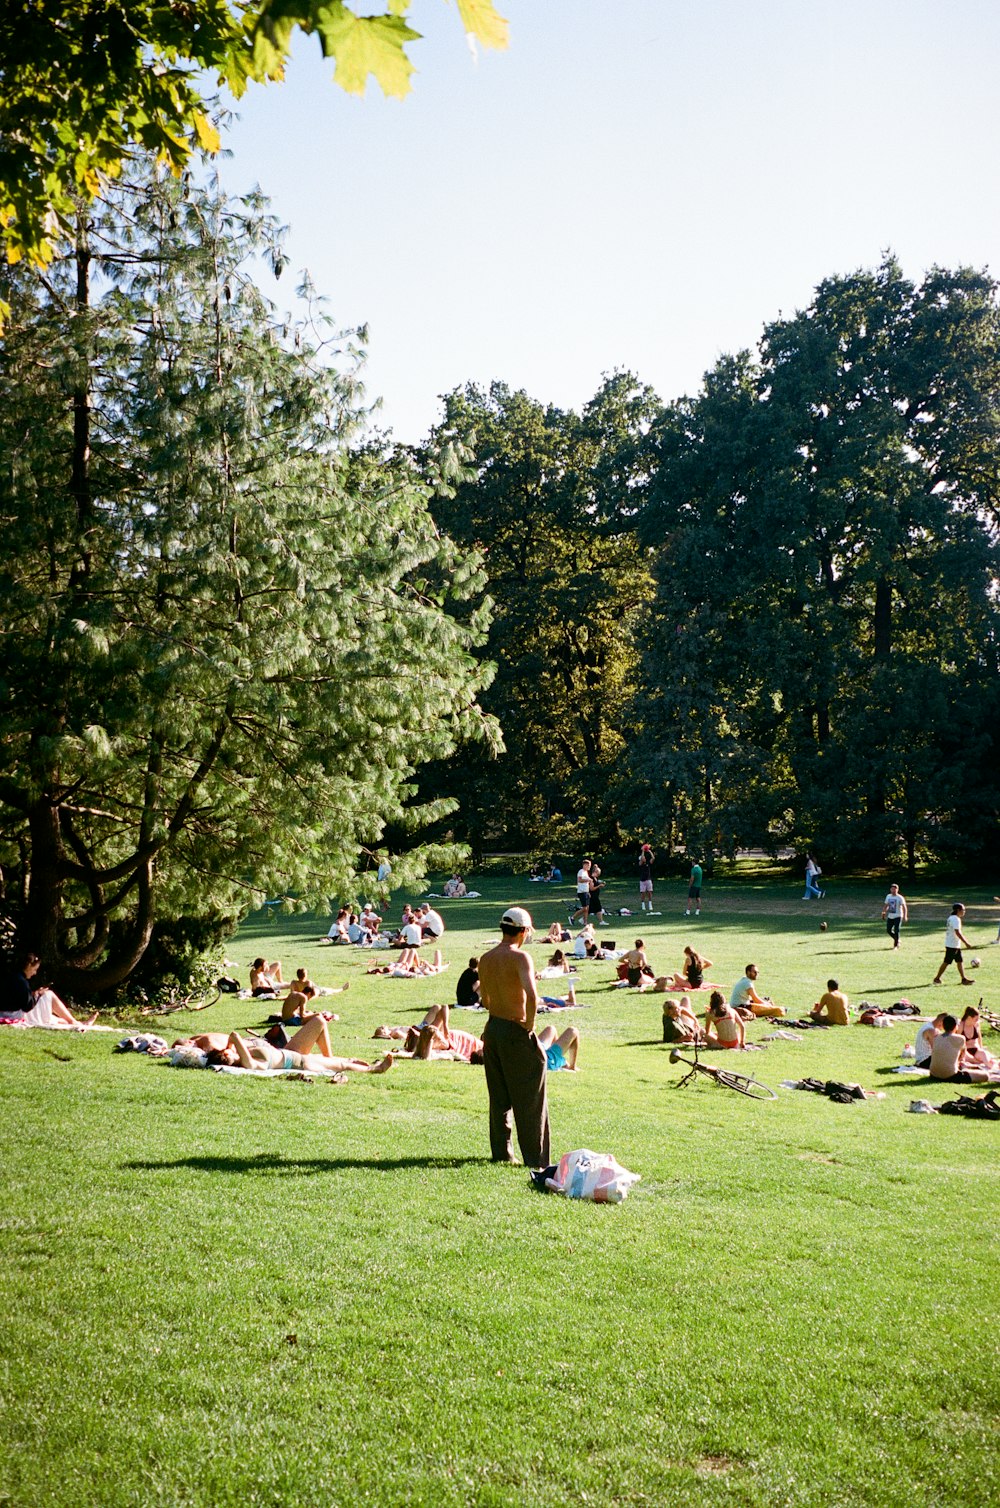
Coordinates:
692	975
723	1026
560	1051
832	1007
556	934
746	1001
409	965
680	1024
25	1004
434	1037
949	1058
300	1054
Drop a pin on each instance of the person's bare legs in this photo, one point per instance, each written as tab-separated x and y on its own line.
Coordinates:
310	1034
353	1065
569	1041
61	1012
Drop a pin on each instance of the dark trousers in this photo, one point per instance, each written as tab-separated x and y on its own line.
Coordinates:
892	926
515	1078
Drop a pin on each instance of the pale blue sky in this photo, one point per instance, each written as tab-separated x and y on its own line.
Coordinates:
634	183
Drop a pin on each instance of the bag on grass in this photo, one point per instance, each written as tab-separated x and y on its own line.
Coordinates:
227	985
277	1036
592	1175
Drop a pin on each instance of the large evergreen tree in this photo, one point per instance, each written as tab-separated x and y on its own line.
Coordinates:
822	662
220	661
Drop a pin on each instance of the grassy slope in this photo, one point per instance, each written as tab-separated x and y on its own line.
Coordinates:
220	1291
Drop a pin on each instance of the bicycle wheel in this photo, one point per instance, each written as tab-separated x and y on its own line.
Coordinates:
743	1085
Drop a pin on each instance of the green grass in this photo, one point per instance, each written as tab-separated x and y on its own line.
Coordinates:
221	1291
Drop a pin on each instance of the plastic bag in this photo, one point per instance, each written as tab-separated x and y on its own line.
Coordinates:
592	1175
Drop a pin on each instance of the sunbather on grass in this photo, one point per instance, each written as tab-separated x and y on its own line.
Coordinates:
24	1005
561	1051
692	973
300	1053
723	1027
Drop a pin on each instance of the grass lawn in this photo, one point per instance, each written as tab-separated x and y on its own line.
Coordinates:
222	1291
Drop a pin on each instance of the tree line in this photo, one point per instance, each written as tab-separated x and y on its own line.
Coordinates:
764	615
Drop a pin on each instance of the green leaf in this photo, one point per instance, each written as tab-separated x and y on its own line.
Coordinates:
364	45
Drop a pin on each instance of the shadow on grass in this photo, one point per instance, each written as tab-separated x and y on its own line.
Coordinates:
272	1162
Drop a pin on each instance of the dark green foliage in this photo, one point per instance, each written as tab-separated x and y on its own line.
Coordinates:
822	659
549	503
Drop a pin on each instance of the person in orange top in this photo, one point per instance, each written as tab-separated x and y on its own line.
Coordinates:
832	1007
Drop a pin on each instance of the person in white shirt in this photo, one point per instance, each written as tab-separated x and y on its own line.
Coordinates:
582	892
954	940
431	922
924	1041
411	935
894	913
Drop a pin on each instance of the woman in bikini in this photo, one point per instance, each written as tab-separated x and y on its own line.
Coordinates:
723	1027
971	1030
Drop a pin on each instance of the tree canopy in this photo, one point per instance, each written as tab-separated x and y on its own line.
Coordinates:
81	84
822	660
227	640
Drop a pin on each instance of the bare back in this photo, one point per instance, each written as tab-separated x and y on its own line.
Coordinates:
507	984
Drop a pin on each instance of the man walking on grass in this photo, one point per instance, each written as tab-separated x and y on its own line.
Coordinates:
514	1062
954	940
894	913
694	889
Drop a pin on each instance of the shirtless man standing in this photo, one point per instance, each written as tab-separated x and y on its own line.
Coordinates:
514	1062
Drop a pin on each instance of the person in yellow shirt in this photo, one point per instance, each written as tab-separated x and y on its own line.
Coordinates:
832	1007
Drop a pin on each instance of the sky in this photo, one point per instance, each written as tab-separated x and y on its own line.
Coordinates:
635	184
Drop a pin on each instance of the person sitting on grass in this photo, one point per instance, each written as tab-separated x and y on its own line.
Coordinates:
975	1053
467	986
639	970
557	965
692	975
23	1004
923	1043
338	927
680	1024
949	1058
746	1001
832	1008
265	978
723	1027
295	1008
370	922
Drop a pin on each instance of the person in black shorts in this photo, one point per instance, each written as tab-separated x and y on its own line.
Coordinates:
596	904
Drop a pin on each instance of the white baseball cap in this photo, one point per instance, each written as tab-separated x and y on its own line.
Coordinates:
516	916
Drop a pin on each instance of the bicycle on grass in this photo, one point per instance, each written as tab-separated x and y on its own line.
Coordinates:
724	1076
